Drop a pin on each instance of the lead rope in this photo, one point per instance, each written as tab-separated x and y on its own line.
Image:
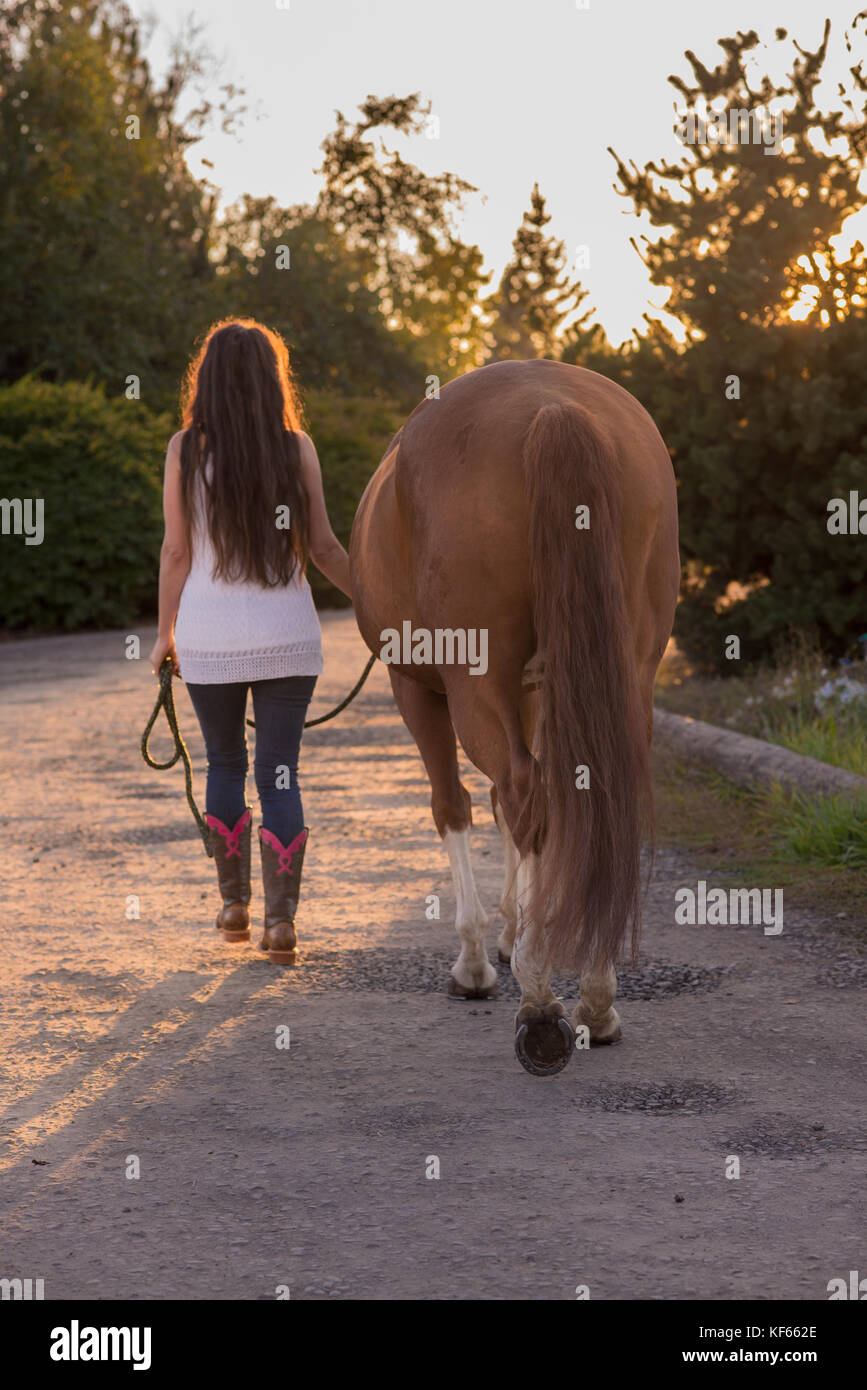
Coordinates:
166	702
324	718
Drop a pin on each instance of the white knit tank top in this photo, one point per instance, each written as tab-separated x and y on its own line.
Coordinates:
231	630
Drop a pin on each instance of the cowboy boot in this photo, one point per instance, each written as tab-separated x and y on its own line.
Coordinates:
281	880
231	850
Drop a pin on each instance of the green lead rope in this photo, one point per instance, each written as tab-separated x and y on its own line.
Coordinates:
166	702
324	718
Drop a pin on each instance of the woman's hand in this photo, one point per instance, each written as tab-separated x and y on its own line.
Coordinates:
163	647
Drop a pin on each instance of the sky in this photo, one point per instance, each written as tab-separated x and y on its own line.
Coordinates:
523	91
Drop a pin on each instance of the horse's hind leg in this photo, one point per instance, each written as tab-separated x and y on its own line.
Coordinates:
595	1010
426	715
544	1040
497	741
509	900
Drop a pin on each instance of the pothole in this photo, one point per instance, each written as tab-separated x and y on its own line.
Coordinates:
660	1098
773	1139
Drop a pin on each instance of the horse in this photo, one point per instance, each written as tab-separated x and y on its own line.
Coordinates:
534	502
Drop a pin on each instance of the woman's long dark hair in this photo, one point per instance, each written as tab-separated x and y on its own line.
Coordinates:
240	409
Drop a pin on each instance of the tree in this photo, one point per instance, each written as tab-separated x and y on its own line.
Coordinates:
534	295
104	267
762	407
400	222
290	269
748	233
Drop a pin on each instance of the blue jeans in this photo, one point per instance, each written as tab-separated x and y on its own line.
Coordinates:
279	711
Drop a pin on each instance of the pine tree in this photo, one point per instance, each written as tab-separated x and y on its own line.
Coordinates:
535	295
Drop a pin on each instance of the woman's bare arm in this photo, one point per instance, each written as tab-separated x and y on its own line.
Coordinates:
326	552
174	556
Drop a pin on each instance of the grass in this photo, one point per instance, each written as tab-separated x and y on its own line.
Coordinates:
828	737
796	701
823	830
814	848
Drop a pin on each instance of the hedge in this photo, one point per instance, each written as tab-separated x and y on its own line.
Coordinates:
97	466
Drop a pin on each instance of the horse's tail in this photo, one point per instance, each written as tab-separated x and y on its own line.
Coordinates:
588	885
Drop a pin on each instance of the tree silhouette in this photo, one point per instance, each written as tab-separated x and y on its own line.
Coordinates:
763	410
401	220
749	231
534	295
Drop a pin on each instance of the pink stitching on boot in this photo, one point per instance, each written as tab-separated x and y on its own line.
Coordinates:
231	837
286	852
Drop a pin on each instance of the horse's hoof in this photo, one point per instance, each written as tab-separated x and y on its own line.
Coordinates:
613	1037
457	991
544	1046
603	1030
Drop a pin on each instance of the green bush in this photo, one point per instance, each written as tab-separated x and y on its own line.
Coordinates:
97	465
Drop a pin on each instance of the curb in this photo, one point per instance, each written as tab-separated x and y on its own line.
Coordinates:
748	761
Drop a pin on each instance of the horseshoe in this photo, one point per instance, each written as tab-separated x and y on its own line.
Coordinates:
549	1068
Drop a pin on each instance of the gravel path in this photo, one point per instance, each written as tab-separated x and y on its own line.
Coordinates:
306	1167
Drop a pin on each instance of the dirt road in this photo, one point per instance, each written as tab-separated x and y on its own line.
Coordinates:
149	1047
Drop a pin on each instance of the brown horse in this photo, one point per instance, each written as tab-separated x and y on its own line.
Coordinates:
530	507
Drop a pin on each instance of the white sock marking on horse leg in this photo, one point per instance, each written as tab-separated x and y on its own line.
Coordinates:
595	1012
528	965
509	900
472	969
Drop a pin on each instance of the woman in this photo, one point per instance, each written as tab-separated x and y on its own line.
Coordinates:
244	510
